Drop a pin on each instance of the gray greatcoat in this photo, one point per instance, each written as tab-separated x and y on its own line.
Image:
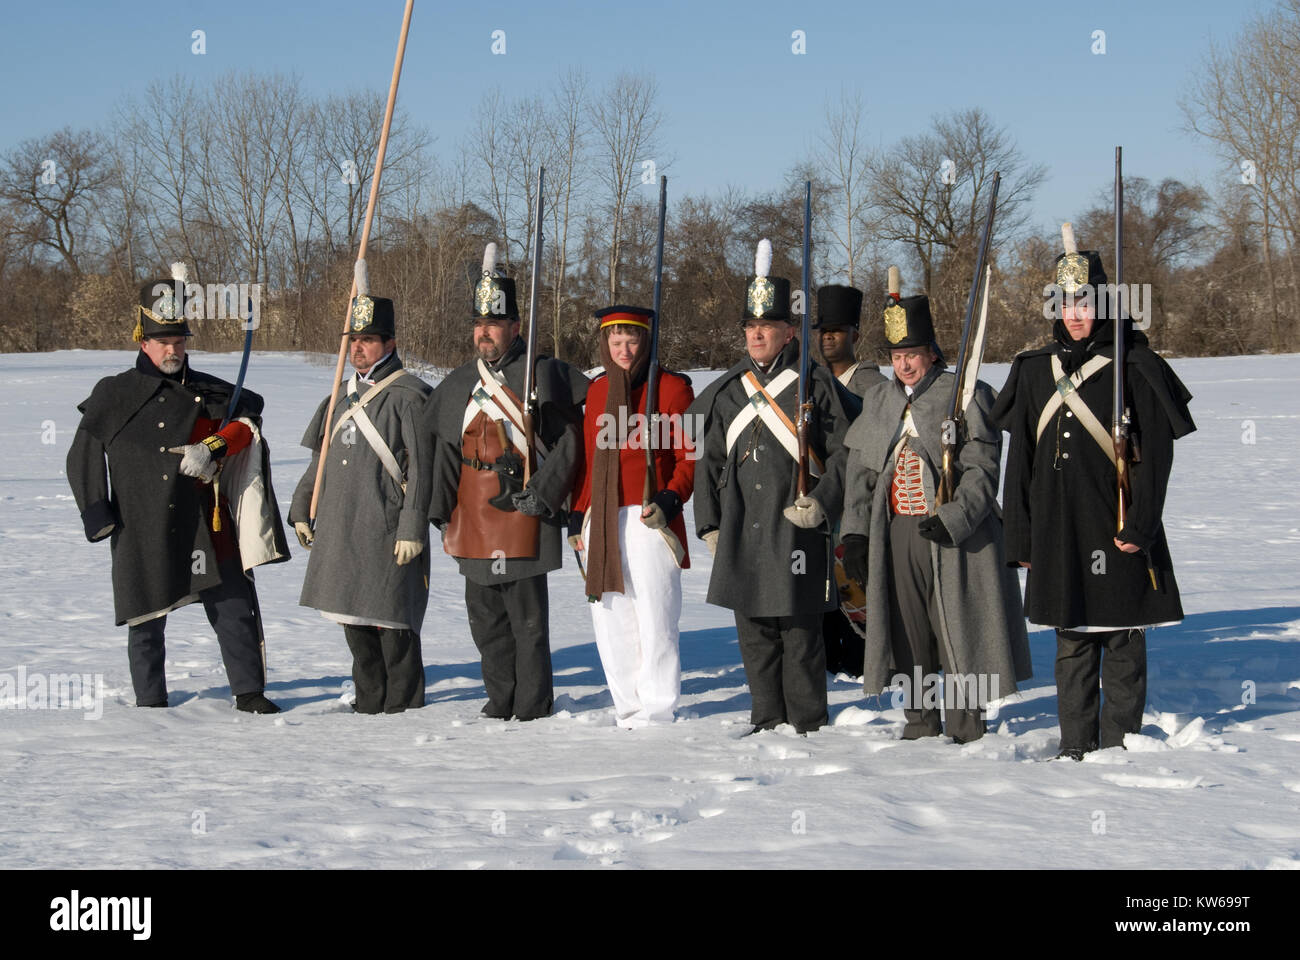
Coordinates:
766	566
561	390
983	623
127	485
363	511
864	377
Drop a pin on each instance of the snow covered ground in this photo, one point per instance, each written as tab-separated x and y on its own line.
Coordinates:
1214	780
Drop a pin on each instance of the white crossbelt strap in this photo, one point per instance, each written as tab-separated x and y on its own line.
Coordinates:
489	396
1067	393
762	404
357	413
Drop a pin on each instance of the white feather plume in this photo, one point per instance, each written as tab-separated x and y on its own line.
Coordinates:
180	271
763	258
1067	238
362	278
895	282
490	259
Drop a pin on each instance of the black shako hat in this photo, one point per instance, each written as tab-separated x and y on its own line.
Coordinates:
838	306
1075	267
373	315
160	311
494	296
907	319
766	298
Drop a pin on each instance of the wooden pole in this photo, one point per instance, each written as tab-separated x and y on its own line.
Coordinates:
361	253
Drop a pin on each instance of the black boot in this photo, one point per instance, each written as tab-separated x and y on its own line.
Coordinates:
255	703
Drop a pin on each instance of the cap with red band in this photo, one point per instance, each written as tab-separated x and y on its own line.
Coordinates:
636	316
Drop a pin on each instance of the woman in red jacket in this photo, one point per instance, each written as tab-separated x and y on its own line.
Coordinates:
632	533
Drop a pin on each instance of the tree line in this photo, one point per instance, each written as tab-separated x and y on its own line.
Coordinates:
249	179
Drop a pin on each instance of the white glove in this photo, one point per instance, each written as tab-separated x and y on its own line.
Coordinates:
196	461
806	513
575	541
655	519
407	550
304	534
711	541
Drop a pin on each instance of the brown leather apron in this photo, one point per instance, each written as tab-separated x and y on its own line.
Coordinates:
477	530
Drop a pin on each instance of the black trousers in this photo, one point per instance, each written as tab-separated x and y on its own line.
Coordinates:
1119	659
914	633
845	650
232	610
785	667
510	624
387	669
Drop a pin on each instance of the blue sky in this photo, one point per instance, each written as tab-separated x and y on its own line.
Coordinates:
740	106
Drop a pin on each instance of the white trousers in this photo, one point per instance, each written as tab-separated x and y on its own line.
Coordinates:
637	630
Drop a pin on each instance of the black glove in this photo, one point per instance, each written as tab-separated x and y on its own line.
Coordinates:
509	469
932	528
528	503
575	523
855	557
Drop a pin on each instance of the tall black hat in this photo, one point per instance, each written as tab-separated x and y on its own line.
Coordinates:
161	309
374	315
494	296
838	306
766	298
1075	267
907	319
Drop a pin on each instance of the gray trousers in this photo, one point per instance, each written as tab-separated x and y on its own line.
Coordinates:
1119	660
232	610
510	624
914	631
387	669
785	667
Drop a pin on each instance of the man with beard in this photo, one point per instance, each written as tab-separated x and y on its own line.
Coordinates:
938	592
505	535
772	552
839	315
368	569
1100	588
182	529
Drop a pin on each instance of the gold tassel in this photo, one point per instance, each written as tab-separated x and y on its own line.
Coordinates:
216	504
138	333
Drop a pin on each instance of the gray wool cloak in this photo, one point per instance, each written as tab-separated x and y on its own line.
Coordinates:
982	620
363	511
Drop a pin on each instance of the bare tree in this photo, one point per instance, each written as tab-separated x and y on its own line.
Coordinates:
843	161
1246	100
51	186
625	120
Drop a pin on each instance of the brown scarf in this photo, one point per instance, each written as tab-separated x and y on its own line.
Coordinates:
604	562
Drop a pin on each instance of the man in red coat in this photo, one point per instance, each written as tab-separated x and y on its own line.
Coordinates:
632	531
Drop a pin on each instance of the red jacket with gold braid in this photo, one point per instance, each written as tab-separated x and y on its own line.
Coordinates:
675	471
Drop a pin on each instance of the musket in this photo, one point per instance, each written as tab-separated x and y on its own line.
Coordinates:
804	418
1121	417
969	355
530	380
652	376
361	253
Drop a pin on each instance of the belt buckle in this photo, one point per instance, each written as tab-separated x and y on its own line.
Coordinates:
1064	387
